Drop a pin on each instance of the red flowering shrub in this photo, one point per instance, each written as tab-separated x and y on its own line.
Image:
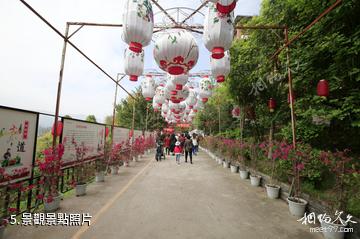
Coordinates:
50	167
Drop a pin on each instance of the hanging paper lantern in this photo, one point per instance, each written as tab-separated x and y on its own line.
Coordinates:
272	105
226	6
198	106
205	89
133	64
59	128
220	68
218	32
293	98
176	52
156	106
159	97
191	100
323	88
236	112
148	88
138	24
179	81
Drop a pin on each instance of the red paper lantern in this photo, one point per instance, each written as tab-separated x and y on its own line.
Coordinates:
323	88
107	131
293	98
272	104
59	128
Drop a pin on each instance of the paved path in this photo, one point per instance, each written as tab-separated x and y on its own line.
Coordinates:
161	200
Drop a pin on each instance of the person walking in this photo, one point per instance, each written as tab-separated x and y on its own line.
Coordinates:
172	143
188	146
177	151
195	144
167	145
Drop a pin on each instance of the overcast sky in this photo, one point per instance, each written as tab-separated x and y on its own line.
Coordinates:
30	54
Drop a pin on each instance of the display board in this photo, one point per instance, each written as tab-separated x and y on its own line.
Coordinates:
76	132
120	135
18	130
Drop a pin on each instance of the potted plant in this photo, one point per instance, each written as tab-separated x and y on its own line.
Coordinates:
346	172
254	176
298	156
278	150
243	171
82	169
115	158
100	164
49	164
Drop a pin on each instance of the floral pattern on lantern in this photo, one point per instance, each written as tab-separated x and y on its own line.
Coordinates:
148	88
133	64
159	97
205	89
220	68
176	52
218	32
138	24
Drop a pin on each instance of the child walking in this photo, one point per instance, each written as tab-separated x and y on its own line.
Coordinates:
177	151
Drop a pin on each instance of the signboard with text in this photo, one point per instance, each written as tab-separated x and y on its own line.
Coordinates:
80	133
17	142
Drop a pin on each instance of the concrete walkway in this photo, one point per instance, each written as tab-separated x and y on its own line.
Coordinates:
161	200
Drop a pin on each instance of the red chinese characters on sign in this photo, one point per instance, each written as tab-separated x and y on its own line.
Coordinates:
26	130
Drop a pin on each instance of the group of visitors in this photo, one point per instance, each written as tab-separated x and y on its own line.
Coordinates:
177	145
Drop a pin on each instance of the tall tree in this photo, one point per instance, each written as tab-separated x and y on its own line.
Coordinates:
91	118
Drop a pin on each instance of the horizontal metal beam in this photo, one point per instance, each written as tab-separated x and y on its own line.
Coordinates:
265	27
72	44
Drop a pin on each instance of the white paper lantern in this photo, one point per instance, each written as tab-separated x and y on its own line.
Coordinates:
191	100
156	106
159	97
148	88
133	64
165	107
199	106
218	32
220	68
138	24
205	89
176	52
226	6
179	81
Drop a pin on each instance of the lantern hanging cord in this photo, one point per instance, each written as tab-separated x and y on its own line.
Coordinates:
73	45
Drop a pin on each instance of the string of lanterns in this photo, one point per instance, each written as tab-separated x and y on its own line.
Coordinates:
176	52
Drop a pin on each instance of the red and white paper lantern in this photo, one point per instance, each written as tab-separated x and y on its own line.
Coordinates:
220	68
133	64
176	52
138	24
191	100
179	81
218	32
205	89
159	97
148	88
226	6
